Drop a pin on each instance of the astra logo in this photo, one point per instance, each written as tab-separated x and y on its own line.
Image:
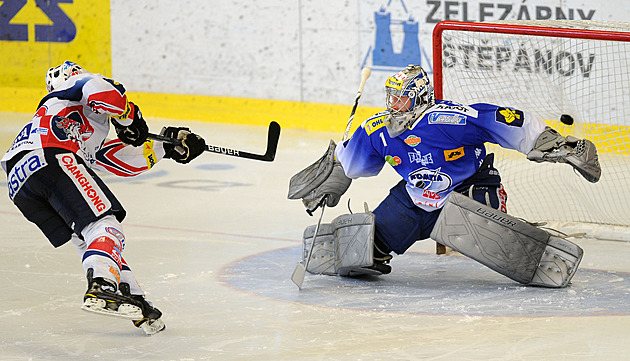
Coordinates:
20	172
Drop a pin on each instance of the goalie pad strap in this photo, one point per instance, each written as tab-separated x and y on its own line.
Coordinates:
341	246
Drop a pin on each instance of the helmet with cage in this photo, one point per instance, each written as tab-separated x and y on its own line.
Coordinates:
57	75
408	94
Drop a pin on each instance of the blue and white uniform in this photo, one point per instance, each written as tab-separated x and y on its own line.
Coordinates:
442	149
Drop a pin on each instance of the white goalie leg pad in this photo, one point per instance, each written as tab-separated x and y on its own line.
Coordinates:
558	263
505	244
341	247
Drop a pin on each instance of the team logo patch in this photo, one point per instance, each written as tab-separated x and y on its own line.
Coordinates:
454	154
511	117
70	127
412	140
394	161
447	118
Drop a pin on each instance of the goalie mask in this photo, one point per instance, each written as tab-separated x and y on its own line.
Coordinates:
408	94
57	75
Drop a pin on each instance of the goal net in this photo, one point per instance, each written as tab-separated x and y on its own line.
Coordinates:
550	68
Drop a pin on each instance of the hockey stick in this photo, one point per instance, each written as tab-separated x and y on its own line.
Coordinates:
273	135
300	269
365	74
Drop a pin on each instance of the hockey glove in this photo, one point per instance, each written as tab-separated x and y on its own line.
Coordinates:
334	187
191	146
581	154
324	177
135	133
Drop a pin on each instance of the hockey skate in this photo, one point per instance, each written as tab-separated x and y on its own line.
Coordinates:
151	321
102	298
381	264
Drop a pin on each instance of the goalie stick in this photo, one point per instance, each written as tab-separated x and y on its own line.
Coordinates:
273	135
300	270
365	74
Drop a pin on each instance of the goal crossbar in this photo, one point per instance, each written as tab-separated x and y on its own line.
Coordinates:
510	29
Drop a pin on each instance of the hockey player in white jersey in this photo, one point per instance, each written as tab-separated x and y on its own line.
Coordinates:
51	179
437	147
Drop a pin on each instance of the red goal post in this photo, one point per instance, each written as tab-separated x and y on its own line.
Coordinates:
550	68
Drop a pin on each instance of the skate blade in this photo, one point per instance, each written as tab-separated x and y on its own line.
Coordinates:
357	272
125	310
153	327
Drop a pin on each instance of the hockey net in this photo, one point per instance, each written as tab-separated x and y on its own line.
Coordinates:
550	68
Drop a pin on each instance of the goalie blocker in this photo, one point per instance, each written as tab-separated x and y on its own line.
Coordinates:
514	248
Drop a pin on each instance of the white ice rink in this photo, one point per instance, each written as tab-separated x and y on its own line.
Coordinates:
214	244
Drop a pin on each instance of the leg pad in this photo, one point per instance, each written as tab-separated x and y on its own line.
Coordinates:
341	246
505	244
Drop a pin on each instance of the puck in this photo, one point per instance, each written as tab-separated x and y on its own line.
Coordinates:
566	119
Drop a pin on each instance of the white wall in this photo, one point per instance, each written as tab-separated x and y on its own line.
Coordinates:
301	50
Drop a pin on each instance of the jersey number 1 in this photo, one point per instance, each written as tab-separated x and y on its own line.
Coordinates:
382	135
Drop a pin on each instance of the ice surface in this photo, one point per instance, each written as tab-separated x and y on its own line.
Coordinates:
214	244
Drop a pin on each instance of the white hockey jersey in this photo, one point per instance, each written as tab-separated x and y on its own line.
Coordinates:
76	117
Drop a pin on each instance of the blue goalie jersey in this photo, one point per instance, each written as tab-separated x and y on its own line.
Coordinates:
444	147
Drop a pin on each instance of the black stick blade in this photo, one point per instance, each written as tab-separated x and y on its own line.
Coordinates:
273	136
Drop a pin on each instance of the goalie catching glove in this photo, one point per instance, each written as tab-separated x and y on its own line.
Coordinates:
190	148
325	177
580	153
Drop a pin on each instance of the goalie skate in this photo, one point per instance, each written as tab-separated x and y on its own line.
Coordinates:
102	298
376	269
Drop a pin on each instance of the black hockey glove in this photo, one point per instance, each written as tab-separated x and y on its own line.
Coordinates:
135	133
192	144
